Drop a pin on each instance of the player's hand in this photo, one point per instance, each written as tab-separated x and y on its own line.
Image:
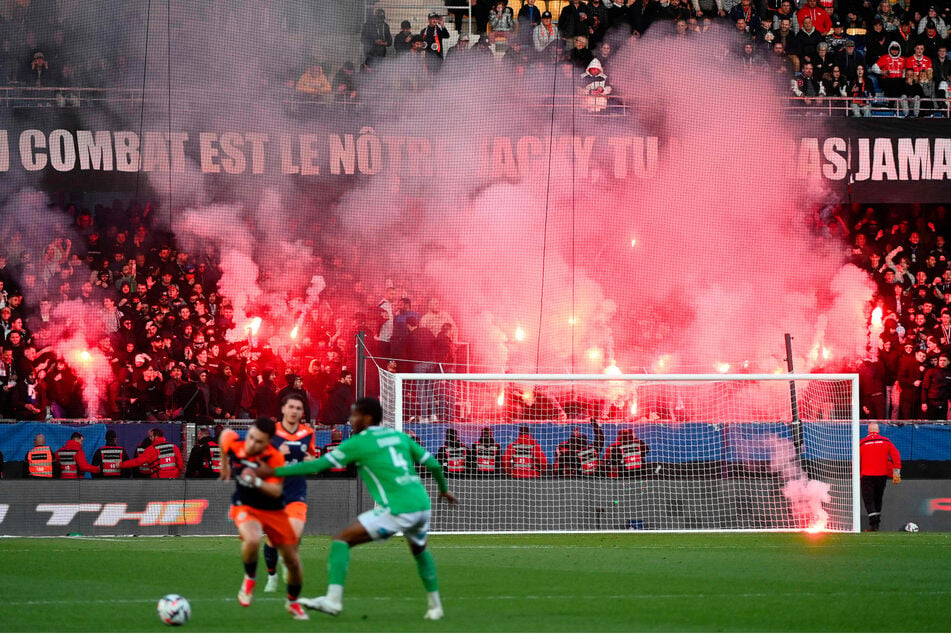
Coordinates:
249	479
896	479
449	497
264	471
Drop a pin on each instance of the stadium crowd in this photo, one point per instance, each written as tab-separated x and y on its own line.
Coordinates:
163	323
850	51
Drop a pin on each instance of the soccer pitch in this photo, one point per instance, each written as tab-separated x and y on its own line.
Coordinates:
583	583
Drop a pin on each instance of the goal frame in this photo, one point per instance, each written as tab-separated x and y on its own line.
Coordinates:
852	378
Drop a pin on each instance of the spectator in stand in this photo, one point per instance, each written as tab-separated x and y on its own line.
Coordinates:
786	11
454	455
403	42
890	68
580	56
931	18
878	460
876	41
930	40
487	455
524	457
848	59
376	35
936	389
344	84
529	17
336	406
295	385
822	63
807	39
29	398
8	382
890	20
544	34
458	53
164	460
746	11
573	21
784	35
420	350
266	402
837	38
942	79
502	22
918	61
109	456
71	463
435	36
861	90
872	389
708	8
910	95
837	86
204	460
819	17
313	83
434	319
911	371
808	87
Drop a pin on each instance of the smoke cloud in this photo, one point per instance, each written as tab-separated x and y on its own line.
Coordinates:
702	268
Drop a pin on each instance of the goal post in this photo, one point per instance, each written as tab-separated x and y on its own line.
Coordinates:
610	453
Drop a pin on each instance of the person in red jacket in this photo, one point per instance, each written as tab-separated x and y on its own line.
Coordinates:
878	459
71	459
820	17
524	458
163	457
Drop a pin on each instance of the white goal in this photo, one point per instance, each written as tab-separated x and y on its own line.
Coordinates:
607	453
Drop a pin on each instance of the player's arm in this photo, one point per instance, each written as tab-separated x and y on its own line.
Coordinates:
894	456
434	467
225	440
145	457
271	486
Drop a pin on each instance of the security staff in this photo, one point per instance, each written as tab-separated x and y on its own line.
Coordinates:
164	458
109	456
39	460
204	461
71	459
878	459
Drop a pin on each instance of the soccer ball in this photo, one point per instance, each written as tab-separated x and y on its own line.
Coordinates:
911	527
173	609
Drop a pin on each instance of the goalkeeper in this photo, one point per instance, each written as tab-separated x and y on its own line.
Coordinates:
384	458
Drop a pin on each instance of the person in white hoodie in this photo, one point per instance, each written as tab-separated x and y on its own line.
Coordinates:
595	87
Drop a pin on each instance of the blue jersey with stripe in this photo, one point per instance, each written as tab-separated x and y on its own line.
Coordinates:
295	446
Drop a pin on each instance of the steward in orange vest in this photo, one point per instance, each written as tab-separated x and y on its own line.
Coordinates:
39	460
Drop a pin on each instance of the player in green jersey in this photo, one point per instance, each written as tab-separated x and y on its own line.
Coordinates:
385	461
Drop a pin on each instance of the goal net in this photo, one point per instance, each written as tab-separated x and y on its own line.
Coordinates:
551	453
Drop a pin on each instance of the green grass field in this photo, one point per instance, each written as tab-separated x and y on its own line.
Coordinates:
626	582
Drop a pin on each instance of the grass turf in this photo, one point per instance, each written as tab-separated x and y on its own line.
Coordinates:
620	582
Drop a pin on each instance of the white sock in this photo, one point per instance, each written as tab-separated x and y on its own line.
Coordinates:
433	599
335	593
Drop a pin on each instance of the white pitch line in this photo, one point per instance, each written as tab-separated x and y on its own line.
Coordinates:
528	597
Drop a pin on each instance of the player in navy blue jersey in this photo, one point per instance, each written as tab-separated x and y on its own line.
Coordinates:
295	440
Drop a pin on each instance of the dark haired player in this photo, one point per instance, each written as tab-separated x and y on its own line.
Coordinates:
384	458
295	440
257	508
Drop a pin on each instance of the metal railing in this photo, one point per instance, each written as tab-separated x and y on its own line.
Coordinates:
870	107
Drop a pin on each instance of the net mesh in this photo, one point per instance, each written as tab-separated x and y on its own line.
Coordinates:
620	453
